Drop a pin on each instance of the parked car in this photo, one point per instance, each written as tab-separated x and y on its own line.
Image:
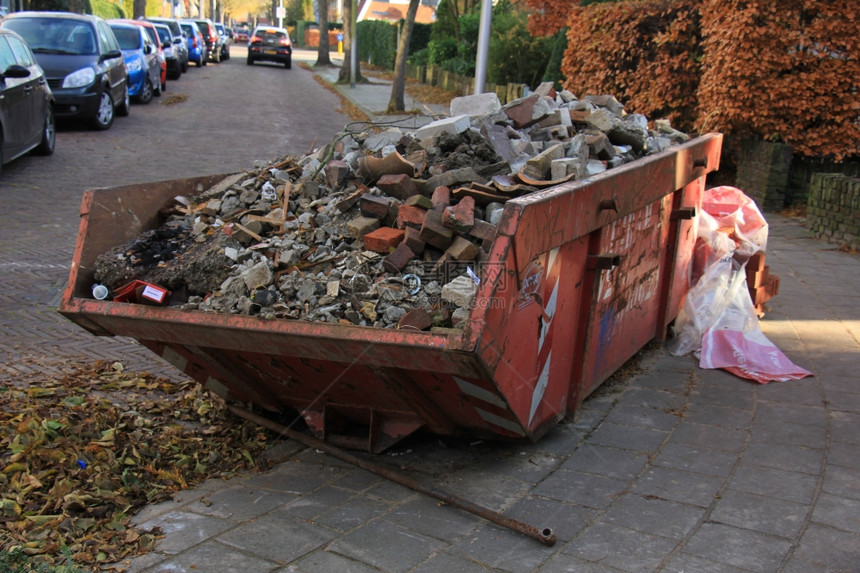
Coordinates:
82	61
241	35
174	68
144	69
196	44
149	28
178	40
213	40
270	44
225	41
26	102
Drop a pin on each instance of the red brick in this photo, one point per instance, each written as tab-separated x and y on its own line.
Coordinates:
413	240
415	319
397	185
410	216
398	259
383	240
461	216
483	230
434	233
336	173
372	206
441	198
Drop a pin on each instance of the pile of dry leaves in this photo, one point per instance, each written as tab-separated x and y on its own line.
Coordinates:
81	453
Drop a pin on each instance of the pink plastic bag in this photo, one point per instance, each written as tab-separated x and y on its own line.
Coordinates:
748	355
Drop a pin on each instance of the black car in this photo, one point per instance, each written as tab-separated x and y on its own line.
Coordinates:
270	44
82	61
211	37
26	102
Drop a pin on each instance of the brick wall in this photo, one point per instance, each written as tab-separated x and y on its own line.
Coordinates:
833	211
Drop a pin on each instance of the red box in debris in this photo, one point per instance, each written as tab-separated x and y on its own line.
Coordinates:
141	292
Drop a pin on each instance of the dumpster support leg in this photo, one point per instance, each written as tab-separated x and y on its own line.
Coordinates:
546	535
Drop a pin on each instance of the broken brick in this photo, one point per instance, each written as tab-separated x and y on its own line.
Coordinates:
383	240
434	233
461	216
360	226
397	259
462	250
336	173
415	319
372	206
412	239
483	230
410	216
441	198
397	185
419	201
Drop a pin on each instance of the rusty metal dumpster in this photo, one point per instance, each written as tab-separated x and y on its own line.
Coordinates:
580	277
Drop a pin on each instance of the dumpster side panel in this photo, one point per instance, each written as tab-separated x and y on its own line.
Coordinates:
529	337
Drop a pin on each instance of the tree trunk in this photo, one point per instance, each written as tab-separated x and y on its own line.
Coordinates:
323	58
396	102
345	76
138	9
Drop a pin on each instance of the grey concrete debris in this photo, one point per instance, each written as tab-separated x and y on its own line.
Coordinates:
314	238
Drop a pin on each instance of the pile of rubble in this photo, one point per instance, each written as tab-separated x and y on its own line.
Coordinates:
382	228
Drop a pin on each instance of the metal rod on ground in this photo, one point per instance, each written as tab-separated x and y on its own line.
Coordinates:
546	535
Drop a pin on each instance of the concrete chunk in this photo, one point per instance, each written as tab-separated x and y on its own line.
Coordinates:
475	105
451	125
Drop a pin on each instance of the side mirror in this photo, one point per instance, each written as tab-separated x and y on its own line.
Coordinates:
15	71
166	45
110	55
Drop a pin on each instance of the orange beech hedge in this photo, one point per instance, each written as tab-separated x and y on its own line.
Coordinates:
783	71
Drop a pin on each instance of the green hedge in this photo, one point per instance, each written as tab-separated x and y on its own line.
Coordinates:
107	10
377	43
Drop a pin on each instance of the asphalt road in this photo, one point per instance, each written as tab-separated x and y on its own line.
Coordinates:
220	118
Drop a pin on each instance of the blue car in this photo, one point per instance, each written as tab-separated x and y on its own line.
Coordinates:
141	59
197	51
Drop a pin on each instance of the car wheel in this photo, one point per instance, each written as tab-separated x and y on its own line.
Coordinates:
105	112
184	66
145	95
217	57
250	61
49	134
125	107
199	63
289	63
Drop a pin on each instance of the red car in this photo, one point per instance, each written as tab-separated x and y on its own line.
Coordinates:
153	35
241	35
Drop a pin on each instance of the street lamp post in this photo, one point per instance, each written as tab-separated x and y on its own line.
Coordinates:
483	46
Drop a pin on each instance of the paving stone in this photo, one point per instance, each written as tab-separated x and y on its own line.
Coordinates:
686	563
786	457
749	550
322	561
502	549
725	439
627	437
352	513
294	477
447	562
480	485
183	529
696	459
313	504
838	512
213	556
642	417
240	503
619	547
277	536
829	548
566	520
427	516
719	416
358	480
655	516
793	486
579	488
601	460
759	513
680	486
844	454
403	549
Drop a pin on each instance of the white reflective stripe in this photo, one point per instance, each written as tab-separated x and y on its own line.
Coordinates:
480	393
501	422
540	387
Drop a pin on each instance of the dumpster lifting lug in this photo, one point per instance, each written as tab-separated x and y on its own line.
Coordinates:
608	204
603	262
683	213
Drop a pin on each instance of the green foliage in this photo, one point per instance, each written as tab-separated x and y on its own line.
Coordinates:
50	5
377	43
558	45
444	26
420	37
107	9
515	56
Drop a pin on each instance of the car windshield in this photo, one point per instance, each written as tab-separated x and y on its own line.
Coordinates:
164	34
128	38
55	35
